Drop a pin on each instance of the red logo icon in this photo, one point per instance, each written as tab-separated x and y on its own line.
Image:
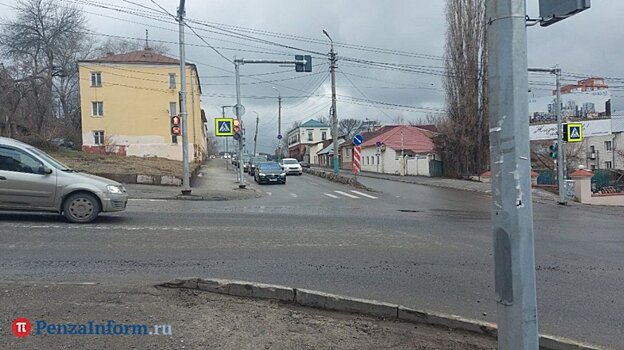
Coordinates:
21	327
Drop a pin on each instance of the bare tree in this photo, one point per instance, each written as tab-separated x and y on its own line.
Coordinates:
120	45
349	127
39	42
398	120
463	142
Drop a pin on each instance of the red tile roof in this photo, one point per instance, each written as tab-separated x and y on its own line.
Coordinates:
143	56
414	139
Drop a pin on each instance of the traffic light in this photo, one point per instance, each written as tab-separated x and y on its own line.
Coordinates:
305	66
553	151
237	128
175	126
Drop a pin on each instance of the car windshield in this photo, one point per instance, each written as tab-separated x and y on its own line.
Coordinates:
290	161
270	166
55	163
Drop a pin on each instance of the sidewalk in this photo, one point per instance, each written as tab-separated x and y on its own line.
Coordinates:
214	182
457	184
202	320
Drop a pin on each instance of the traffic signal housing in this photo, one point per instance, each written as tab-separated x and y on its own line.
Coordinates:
553	151
236	123
175	125
304	64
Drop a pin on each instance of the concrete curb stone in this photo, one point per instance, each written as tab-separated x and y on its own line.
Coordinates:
321	300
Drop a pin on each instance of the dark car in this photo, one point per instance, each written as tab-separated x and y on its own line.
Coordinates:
304	164
253	162
269	172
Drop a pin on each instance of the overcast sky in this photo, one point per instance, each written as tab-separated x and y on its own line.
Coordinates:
408	32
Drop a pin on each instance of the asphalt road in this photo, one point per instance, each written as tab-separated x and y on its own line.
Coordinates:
420	246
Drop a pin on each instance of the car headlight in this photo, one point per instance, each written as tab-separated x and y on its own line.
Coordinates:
283	174
115	189
261	174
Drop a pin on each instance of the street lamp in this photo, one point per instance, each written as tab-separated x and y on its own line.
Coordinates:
279	123
332	68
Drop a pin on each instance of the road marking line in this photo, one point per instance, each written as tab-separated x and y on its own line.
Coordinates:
346	194
364	194
331	195
269	193
294	195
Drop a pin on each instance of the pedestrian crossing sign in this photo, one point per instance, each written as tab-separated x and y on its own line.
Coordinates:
573	132
223	127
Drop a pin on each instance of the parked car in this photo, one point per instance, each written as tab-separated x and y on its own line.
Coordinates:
291	166
253	162
31	180
269	172
304	164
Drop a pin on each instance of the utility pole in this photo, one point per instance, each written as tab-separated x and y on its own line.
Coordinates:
239	111
512	205
561	166
332	69
256	135
279	124
186	186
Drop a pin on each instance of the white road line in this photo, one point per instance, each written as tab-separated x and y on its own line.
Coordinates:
364	194
294	195
346	194
330	195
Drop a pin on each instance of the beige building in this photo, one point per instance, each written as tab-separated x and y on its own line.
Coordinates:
128	100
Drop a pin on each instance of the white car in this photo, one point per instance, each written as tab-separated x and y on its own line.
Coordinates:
291	166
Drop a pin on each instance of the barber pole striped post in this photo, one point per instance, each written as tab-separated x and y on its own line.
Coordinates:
357	151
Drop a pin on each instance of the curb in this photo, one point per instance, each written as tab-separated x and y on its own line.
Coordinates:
345	180
320	300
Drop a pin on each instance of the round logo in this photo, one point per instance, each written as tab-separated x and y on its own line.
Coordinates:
21	327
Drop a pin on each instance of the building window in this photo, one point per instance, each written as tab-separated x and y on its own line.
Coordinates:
608	145
98	137
172	80
323	135
377	159
97	108
608	165
96	79
310	136
593	166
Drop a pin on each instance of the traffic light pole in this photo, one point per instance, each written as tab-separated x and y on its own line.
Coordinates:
239	112
512	204
561	166
186	186
227	166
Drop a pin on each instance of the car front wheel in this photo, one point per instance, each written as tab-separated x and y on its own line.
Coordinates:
81	208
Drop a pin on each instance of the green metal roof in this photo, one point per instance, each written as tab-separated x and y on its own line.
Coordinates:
314	124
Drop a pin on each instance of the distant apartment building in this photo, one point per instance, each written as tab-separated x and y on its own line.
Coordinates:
127	102
589	84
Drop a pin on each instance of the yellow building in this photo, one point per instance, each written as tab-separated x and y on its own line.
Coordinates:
127	102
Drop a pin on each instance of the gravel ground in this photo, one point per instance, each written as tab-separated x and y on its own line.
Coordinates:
201	320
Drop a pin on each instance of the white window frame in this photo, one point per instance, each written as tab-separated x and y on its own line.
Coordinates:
608	164
172	81
98	137
96	79
97	108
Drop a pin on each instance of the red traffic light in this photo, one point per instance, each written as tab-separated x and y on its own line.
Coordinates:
176	130
237	127
175	121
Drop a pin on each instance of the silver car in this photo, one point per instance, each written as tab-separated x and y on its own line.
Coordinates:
31	180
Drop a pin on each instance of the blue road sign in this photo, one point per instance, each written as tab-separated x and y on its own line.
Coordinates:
279	137
378	143
358	139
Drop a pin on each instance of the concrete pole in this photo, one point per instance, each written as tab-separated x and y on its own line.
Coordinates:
241	183
332	69
227	166
186	186
512	219
256	133
279	123
561	166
